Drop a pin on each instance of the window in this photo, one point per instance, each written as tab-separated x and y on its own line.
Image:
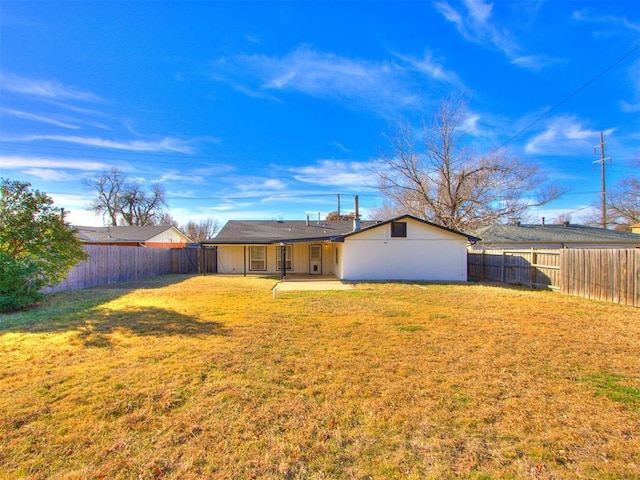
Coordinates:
399	229
288	258
258	258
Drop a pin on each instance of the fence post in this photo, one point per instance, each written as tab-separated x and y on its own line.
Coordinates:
532	267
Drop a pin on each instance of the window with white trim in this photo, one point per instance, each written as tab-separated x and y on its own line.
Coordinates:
258	257
288	260
399	229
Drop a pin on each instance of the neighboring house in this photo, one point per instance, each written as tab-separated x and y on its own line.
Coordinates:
635	228
148	236
552	237
403	248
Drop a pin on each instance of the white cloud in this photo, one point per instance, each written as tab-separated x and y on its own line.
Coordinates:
588	15
275	184
75	206
337	173
381	86
258	186
470	124
534	62
166	144
40	118
327	75
18	162
49	174
564	135
476	25
50	89
433	69
629	107
479	10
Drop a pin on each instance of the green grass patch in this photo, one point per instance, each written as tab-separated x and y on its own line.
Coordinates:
410	328
614	387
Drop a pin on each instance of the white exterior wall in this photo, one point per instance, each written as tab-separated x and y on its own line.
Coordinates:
168	237
427	253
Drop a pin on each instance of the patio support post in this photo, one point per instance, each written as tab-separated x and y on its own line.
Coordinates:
283	258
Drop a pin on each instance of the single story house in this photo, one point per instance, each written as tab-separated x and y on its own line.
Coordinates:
156	236
402	248
520	236
635	228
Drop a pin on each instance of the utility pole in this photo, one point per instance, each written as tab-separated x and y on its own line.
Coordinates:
604	189
339	217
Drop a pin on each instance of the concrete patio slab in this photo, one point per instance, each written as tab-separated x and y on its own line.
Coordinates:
312	282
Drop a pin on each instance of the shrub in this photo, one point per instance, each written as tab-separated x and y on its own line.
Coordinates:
37	247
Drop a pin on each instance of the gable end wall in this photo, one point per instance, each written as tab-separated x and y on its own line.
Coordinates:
427	253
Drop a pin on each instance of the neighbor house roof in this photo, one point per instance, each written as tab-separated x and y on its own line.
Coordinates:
122	234
276	231
563	234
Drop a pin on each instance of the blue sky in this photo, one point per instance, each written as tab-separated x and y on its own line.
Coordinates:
264	110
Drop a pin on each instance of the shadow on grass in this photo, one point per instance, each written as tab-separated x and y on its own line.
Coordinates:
79	310
99	327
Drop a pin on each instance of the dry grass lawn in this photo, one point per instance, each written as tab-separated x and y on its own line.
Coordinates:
186	377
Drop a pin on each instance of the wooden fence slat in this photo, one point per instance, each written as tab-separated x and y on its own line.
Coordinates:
611	275
114	264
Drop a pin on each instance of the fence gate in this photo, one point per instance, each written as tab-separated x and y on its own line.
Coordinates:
209	260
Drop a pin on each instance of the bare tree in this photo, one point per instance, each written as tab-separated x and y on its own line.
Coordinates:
166	219
562	219
343	216
108	187
139	207
624	202
123	202
443	181
202	230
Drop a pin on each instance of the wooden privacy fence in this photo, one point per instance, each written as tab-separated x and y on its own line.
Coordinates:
114	264
535	268
611	275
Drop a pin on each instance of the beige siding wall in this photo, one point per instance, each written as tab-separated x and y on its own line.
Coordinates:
167	239
231	259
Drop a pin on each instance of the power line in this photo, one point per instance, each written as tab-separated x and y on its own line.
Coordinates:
566	99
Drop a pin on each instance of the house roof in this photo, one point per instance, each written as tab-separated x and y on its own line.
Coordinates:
565	234
471	238
122	234
276	231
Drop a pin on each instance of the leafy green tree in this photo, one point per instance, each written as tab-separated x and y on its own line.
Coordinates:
37	247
